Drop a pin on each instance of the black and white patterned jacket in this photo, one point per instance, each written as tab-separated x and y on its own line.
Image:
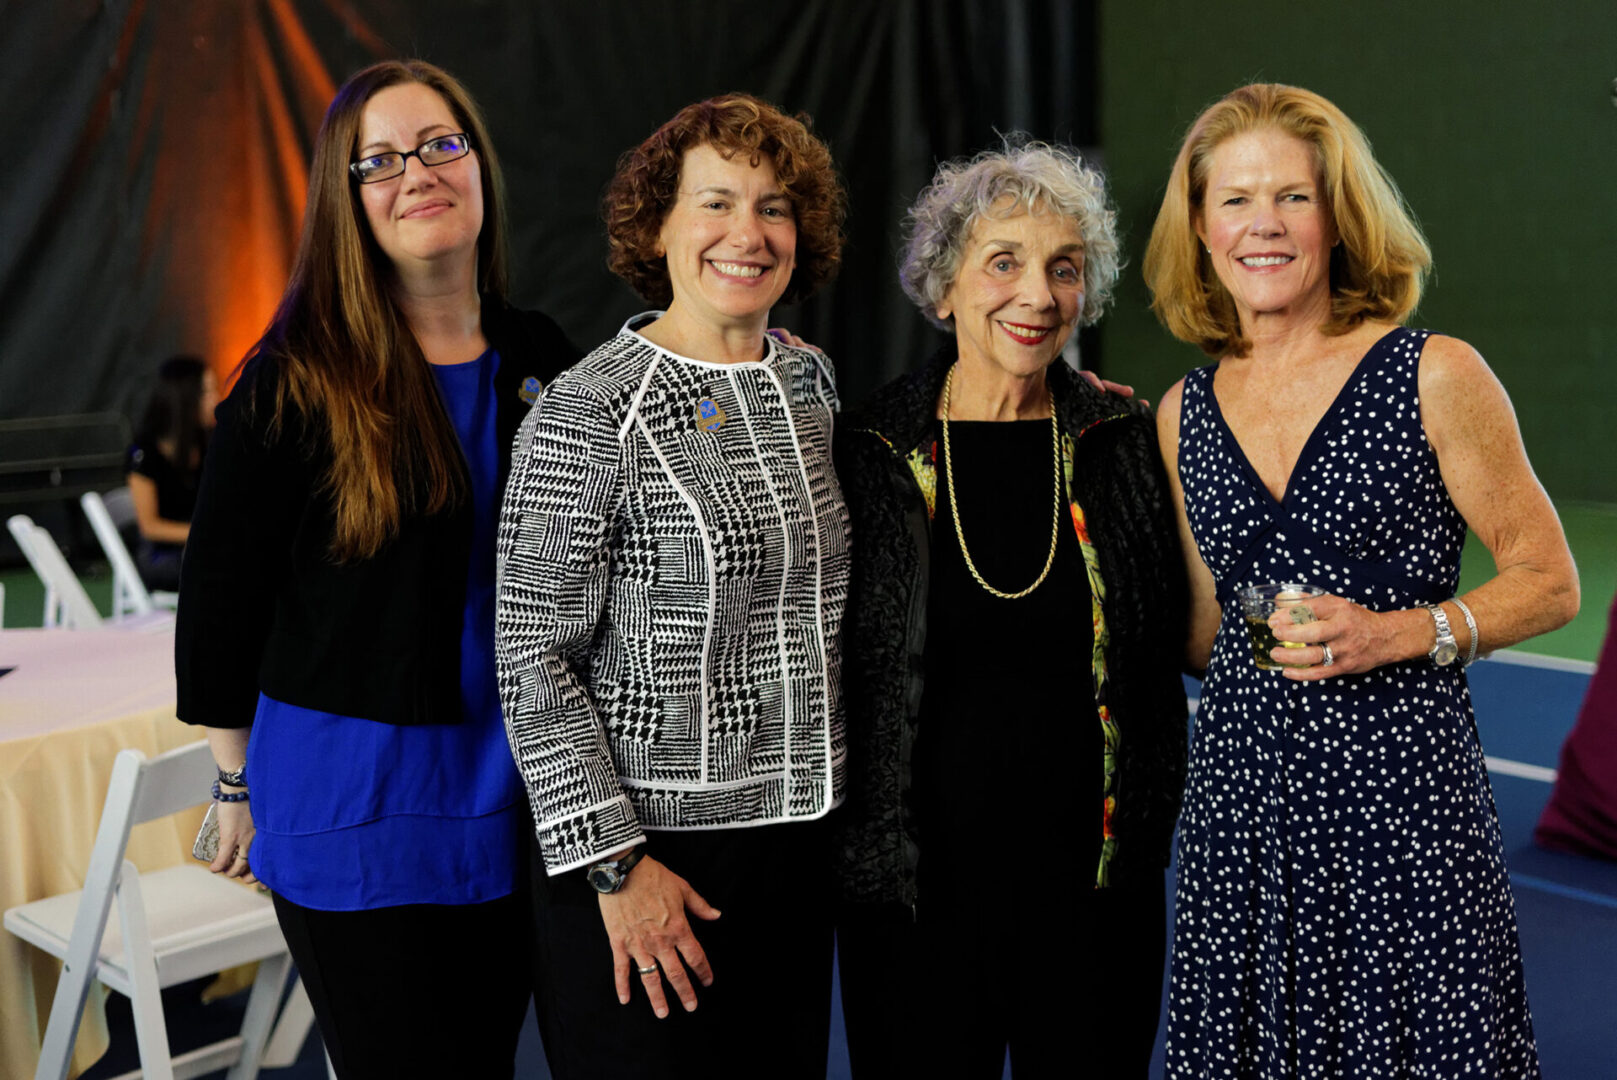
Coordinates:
673	556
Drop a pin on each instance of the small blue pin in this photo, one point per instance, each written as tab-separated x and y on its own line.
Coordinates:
709	417
529	391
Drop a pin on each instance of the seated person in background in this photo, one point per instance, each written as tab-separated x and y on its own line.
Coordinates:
165	463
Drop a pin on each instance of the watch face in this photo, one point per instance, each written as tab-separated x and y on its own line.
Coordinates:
604	878
1445	653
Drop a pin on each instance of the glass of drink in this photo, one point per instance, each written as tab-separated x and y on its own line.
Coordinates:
1258	602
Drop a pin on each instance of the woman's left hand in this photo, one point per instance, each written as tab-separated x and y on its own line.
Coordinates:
785	336
1106	386
1355	636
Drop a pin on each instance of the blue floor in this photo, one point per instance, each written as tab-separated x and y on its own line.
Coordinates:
1566	906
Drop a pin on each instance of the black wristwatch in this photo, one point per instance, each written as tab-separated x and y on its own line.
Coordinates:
233	779
611	875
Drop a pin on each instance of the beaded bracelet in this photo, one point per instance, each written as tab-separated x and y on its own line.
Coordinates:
233	796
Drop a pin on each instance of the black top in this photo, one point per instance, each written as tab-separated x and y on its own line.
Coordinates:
176	487
1119	482
1006	729
263	606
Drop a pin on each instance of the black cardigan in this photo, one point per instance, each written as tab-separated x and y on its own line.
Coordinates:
263	606
1120	483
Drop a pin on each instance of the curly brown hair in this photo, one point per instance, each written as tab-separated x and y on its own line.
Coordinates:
647	179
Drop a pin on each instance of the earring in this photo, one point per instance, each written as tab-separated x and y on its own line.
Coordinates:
1207	249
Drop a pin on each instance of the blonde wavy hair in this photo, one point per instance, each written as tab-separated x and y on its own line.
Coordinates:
1377	271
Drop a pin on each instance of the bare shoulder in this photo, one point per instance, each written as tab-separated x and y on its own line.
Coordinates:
1168	406
1168	422
1461	399
1448	363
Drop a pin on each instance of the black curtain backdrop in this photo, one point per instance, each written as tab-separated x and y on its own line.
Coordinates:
160	149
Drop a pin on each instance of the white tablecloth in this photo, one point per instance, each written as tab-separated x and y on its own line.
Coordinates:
74	699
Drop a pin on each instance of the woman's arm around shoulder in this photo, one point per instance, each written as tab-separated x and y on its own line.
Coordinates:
1204	613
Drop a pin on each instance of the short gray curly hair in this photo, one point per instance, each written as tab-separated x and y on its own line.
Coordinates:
1036	176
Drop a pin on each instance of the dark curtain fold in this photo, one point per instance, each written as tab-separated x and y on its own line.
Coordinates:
155	202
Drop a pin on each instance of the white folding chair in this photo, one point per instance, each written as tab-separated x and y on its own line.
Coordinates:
170	926
129	593
66	602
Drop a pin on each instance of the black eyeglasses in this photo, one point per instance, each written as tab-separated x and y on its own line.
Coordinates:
438	151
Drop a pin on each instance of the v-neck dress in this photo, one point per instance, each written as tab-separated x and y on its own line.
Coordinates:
1343	908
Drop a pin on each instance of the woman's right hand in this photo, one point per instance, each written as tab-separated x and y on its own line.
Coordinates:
646	923
235	838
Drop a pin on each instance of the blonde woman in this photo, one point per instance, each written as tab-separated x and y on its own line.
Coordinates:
1343	908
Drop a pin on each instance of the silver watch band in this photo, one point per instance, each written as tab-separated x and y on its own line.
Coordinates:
1444	649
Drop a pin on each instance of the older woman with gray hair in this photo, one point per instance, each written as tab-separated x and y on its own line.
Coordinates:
1016	718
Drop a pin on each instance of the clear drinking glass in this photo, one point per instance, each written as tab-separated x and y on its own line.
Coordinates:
1258	602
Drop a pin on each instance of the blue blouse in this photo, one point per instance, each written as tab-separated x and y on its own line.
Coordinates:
352	814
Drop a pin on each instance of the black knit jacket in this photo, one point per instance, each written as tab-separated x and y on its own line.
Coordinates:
1119	482
263	607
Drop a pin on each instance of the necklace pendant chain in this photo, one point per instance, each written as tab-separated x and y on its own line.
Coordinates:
954	507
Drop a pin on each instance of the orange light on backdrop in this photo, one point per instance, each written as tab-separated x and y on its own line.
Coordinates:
238	115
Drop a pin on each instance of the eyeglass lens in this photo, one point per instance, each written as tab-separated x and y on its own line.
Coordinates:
439	151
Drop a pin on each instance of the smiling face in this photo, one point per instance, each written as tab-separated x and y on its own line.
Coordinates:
429	213
730	240
1018	293
1265	219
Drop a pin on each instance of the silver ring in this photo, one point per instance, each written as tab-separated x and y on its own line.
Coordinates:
1329	659
652	970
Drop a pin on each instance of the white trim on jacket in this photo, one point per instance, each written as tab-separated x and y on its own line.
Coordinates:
671	598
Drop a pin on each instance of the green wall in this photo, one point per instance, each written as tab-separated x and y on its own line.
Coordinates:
1497	120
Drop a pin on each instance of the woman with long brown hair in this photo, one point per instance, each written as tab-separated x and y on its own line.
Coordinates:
336	632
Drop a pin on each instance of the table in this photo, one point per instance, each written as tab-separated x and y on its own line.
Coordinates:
75	698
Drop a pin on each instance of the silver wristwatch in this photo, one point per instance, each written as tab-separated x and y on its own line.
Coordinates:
1445	649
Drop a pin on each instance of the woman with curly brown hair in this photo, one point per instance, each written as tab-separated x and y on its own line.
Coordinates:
674	566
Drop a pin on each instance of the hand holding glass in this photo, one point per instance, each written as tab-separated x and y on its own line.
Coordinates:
1258	602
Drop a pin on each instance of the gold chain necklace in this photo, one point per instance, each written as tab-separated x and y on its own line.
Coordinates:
954	508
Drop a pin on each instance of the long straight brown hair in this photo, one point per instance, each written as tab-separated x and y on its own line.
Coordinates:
349	359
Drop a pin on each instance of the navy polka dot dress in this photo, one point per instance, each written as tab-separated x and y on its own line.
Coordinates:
1343	909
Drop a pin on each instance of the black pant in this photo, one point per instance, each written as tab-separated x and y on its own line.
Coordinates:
419	990
158	565
768	1012
1069	979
